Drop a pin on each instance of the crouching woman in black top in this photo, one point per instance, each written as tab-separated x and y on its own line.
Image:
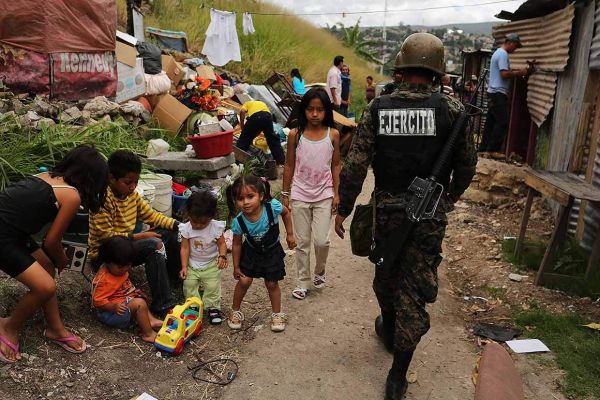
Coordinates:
26	207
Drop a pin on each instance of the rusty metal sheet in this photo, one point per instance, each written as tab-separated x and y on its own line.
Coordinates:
595	49
545	39
540	95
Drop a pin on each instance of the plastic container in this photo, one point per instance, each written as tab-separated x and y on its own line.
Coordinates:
213	145
146	190
163	202
178	202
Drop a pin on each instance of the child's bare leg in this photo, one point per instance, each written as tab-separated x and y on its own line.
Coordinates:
240	291
139	309
274	295
41	288
155	323
55	328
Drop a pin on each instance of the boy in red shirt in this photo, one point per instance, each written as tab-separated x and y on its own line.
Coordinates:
113	295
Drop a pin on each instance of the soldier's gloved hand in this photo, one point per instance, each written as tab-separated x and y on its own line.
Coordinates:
339	227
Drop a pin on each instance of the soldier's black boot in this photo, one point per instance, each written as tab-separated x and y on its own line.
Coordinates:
396	384
384	327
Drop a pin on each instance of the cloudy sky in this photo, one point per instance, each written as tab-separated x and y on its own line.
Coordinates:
455	12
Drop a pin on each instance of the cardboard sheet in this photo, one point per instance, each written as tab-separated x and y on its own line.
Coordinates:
170	113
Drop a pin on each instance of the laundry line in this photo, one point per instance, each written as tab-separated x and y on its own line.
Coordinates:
344	13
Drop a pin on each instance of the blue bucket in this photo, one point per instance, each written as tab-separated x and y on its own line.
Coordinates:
178	202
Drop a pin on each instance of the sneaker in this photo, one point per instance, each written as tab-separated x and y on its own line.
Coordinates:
214	316
278	322
235	319
319	281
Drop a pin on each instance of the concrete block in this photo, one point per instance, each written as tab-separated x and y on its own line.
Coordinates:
222	173
179	161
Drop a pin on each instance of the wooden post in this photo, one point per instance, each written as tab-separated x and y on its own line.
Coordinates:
524	221
558	236
594	256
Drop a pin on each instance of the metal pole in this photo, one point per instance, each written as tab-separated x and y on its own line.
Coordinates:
384	38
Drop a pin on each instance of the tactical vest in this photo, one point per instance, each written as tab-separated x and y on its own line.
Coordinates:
409	136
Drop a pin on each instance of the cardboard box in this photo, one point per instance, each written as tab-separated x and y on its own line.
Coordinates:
173	69
130	80
126	54
206	72
170	113
343	121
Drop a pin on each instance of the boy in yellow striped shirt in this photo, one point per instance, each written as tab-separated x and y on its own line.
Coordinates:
122	209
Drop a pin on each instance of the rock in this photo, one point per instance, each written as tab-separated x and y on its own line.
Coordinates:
4	106
43	122
477	196
29	118
100	106
133	108
44	108
18	107
516	277
70	115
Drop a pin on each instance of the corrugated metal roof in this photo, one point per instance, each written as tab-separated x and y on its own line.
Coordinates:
546	40
532	9
595	49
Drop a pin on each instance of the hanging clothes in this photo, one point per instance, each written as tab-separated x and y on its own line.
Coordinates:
247	24
221	45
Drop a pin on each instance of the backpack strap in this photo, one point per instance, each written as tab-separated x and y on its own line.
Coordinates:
270	213
244	228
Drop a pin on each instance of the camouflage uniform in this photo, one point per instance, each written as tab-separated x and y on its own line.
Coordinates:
412	283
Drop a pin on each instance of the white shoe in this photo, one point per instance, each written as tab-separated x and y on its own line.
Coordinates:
235	319
278	322
319	281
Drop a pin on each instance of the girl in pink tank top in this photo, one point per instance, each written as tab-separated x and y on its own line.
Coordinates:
310	185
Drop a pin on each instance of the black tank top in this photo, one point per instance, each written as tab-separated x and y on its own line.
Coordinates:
27	206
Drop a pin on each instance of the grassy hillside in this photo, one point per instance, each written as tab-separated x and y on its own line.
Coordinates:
280	42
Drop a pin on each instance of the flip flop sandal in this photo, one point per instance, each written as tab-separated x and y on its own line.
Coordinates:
14	347
319	281
215	317
299	293
62	342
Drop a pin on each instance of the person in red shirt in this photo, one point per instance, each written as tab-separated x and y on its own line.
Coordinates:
114	297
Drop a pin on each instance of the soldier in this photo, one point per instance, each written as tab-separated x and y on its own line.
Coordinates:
401	136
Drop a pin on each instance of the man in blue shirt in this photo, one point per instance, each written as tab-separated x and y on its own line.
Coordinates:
496	123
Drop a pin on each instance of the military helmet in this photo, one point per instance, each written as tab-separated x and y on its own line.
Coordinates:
422	50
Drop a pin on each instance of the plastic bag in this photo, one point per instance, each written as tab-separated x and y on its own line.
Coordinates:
151	55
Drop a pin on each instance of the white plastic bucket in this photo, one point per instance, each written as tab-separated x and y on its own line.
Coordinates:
163	202
146	190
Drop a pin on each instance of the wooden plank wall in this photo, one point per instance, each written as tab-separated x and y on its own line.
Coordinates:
571	90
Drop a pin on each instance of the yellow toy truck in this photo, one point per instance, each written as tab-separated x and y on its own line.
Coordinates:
181	324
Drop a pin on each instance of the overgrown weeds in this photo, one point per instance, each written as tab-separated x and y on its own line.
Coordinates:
23	150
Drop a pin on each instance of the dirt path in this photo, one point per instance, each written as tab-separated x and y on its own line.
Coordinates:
329	349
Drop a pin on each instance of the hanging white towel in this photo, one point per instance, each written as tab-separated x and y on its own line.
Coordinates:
247	24
221	44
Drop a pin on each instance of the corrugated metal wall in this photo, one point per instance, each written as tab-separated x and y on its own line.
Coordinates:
570	92
595	49
546	40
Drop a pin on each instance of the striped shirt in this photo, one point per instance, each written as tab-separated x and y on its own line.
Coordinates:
118	218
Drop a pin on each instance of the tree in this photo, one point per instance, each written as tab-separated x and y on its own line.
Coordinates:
353	38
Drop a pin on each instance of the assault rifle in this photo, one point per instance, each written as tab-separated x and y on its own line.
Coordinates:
425	194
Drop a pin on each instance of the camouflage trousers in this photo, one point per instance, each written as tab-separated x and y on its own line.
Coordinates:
412	282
